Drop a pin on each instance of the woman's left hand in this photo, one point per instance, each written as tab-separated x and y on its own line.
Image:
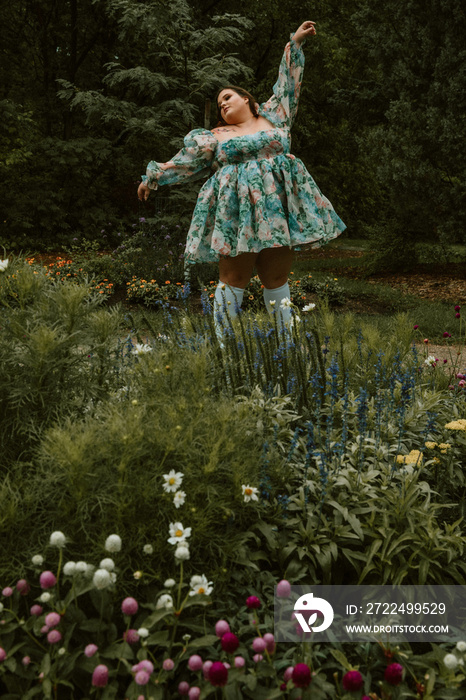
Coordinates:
305	30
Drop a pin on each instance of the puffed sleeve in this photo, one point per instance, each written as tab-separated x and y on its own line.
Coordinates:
192	162
282	107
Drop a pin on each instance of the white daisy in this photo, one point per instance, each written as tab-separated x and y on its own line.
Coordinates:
286	303
309	307
178	533
250	493
173	481
3	265
182	552
141	349
113	543
431	360
165	601
200	586
179	498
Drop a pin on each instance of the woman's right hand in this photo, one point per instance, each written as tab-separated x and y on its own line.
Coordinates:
143	192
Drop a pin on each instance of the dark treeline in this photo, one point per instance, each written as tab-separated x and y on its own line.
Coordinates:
93	89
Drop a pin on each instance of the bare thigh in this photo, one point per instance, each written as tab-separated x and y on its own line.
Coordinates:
237	271
273	266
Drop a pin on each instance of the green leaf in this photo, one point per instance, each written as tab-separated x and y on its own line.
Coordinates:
341	658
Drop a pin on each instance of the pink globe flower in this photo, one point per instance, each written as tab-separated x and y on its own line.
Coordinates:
168	665
36	610
183	688
269	640
457	308
142	678
416	327
129	606
206	669
47	580
394	674
259	645
52	619
239	662
100	676
26	660
301	676
221	628
194	693
7	592
229	642
131	636
253	602
195	663
457	315
146	665
257	657
23	587
447	335
2	654
54	636
288	673
352	681
218	674
44	629
283	589
90	650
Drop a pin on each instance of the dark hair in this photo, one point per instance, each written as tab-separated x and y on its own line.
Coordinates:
242	93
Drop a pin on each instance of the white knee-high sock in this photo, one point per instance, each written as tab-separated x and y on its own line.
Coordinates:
227	302
276	296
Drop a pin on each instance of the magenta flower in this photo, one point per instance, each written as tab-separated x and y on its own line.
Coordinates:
100	676
131	636
394	674
129	606
253	602
183	688
447	334
52	619
7	592
221	628
90	650
416	327
195	663
352	681
36	610
301	676
229	642
47	580
457	315
218	674
168	665
142	678
283	589
457	307
23	586
54	636
259	645
2	654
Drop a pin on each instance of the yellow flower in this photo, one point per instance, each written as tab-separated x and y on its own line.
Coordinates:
414	457
431	445
459	424
444	446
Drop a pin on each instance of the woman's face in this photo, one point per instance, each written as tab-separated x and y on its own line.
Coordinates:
233	107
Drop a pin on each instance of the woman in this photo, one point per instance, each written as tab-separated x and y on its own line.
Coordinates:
260	201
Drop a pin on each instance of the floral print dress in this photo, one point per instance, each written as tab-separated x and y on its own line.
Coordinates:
259	195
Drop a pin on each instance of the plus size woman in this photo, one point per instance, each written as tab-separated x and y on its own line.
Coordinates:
259	201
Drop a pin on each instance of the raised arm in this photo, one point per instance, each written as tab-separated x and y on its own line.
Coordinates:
191	162
282	107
